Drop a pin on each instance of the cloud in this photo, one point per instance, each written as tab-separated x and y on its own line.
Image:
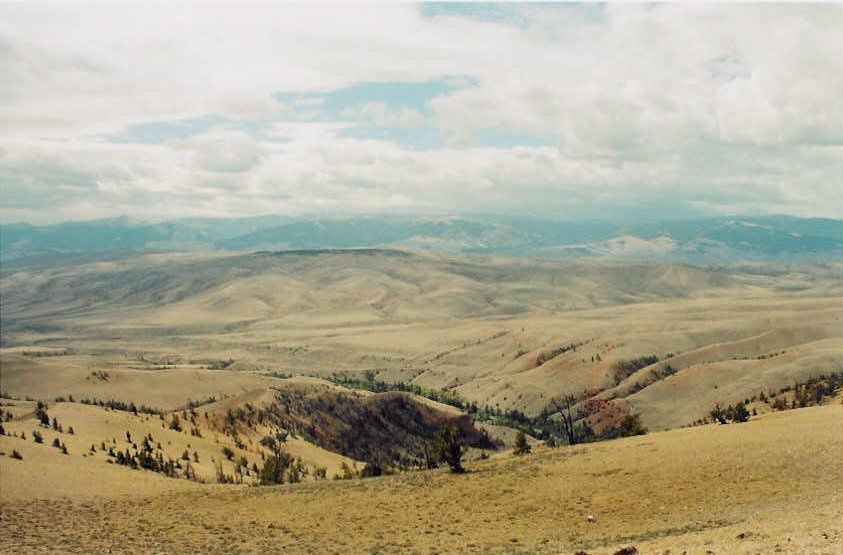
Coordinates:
569	111
225	152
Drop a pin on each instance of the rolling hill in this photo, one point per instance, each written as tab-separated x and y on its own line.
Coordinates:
741	489
493	331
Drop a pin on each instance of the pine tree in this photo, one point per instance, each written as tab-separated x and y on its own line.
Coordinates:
739	413
449	448
41	414
522	447
175	423
631	426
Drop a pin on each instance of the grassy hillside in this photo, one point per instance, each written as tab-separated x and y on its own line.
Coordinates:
492	331
770	485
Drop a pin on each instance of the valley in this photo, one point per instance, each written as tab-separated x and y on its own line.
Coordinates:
170	381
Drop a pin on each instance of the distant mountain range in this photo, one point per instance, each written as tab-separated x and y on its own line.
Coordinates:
701	240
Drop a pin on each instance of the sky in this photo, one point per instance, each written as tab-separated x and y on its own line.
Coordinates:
566	111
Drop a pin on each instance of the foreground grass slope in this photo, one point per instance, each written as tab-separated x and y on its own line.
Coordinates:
770	485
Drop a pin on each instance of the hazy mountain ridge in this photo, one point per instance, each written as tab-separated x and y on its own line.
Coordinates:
699	240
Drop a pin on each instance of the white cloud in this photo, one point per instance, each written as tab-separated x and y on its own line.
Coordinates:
225	152
715	107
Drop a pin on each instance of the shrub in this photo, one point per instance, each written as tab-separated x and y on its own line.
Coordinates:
739	413
274	468
718	415
222	477
779	403
36	435
16	455
373	468
175	423
41	414
296	472
347	472
449	448
522	447
229	454
631	426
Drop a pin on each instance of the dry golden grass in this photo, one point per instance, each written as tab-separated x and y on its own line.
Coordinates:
435	320
769	486
160	325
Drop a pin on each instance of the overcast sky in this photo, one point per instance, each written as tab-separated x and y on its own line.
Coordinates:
563	111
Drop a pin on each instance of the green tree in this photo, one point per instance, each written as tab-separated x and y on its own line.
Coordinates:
631	426
717	414
274	468
41	414
373	468
278	463
740	413
450	448
522	447
175	423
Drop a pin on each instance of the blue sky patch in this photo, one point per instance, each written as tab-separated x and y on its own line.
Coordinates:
159	131
517	14
329	106
343	105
